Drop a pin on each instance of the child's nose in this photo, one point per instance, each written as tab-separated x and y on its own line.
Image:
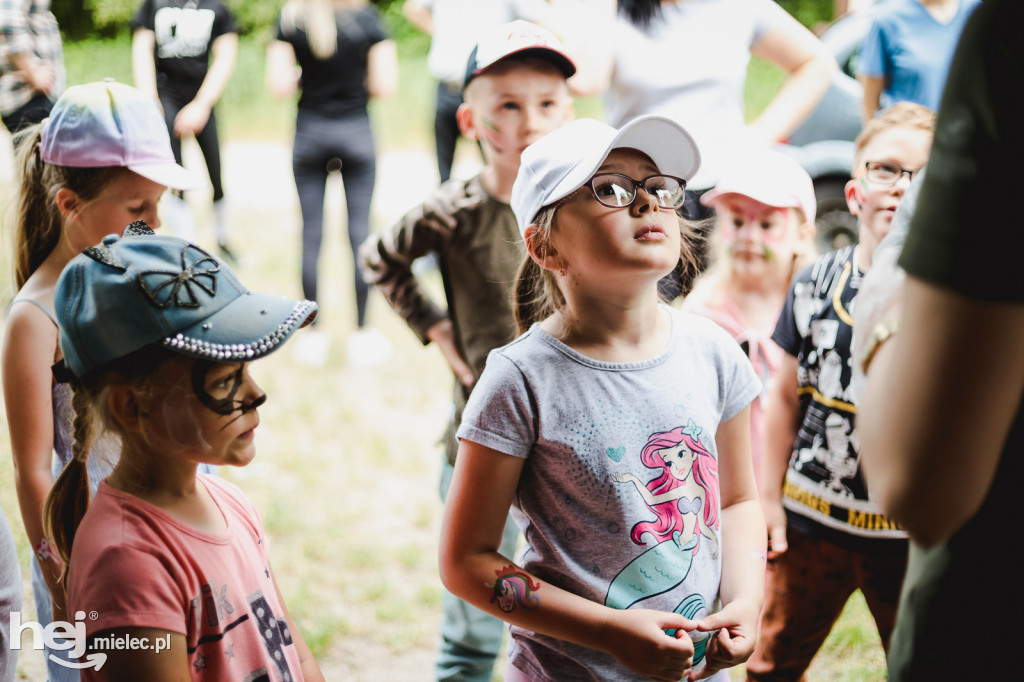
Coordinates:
644	201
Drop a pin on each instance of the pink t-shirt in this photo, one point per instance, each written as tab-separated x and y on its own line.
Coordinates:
764	355
135	565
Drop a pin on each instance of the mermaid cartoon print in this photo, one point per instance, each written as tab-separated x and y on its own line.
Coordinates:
685	489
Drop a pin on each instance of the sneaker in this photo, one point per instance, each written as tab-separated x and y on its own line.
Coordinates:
367	347
311	348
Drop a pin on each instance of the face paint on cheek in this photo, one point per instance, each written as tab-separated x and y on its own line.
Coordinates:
491	132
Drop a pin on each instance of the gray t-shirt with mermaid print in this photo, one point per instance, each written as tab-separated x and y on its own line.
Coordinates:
599	438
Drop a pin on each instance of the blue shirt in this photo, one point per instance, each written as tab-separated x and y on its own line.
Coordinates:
911	51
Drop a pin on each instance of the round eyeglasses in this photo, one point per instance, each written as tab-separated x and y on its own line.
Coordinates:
616	190
887	173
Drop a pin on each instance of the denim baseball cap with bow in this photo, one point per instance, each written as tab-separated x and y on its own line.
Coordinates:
141	289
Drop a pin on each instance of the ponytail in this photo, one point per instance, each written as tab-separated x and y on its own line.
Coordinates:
68	500
536	293
38	221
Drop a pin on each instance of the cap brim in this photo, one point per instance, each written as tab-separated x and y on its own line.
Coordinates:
564	65
250	327
669	146
170	175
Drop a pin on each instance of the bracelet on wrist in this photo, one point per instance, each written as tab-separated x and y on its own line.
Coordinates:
879	335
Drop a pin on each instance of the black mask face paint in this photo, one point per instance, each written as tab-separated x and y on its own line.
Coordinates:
227	404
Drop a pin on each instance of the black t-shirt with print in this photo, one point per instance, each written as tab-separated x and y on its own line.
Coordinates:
336	86
824	492
185	31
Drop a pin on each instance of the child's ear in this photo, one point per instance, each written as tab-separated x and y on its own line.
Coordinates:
467	121
67	201
541	250
854	196
124	406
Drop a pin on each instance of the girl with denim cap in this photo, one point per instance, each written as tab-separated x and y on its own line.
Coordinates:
615	427
157	336
101	160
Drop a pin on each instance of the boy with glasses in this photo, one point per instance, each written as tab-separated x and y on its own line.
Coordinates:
826	537
515	92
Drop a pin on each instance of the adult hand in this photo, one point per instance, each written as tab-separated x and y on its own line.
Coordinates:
191	119
734	642
42	77
441	334
637	640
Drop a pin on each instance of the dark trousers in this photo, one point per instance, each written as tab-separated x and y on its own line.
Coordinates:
209	142
807	589
33	111
320	143
446	127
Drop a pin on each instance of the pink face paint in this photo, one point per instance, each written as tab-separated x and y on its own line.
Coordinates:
492	132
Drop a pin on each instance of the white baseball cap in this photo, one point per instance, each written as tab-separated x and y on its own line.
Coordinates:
560	163
770	177
516	38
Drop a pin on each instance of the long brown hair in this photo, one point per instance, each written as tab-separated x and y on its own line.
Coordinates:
536	294
38	222
68	499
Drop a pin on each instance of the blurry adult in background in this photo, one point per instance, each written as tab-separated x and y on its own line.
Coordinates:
907	51
172	46
687	60
10	599
941	419
454	27
31	62
344	57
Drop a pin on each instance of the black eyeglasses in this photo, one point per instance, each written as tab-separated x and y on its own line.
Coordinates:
886	173
616	190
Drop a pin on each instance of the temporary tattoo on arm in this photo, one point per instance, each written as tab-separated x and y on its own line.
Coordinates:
514	588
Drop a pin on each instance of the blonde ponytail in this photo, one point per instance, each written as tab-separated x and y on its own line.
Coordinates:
68	499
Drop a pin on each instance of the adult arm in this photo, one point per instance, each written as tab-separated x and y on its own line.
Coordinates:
478	502
382	69
143	61
869	103
956	361
419	15
809	67
743	551
18	45
282	73
28	351
782	419
193	116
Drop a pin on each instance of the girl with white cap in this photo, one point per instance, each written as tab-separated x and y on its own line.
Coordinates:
615	427
101	160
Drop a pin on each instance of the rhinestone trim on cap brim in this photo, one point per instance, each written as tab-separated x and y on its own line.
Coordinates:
241	351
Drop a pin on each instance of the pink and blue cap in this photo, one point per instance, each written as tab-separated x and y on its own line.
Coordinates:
108	124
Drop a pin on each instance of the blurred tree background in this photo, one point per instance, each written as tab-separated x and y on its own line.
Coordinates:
93	18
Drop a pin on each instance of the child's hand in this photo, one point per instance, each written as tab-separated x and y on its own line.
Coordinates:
441	333
734	641
636	639
775	520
